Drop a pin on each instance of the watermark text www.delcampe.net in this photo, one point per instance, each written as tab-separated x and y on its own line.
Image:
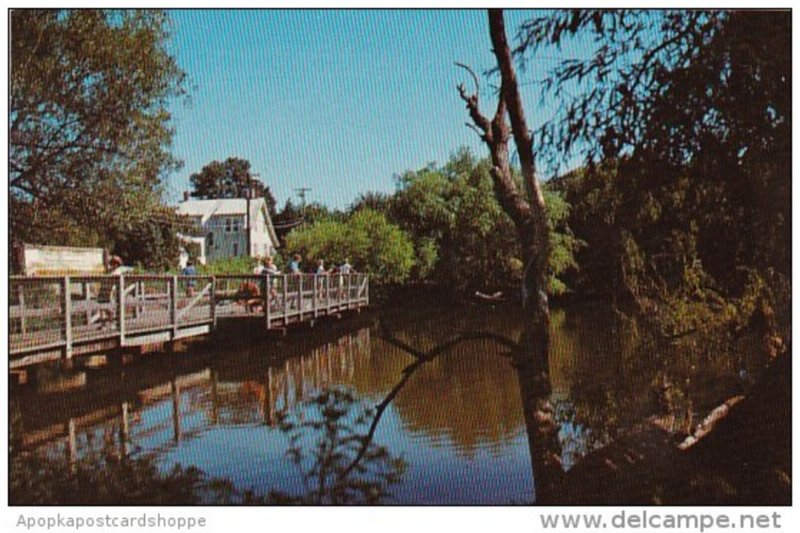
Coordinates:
109	521
659	520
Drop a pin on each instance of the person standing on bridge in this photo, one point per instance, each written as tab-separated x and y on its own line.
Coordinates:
108	287
345	269
294	265
295	272
190	270
322	272
268	268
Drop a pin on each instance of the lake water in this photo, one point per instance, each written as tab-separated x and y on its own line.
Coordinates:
454	433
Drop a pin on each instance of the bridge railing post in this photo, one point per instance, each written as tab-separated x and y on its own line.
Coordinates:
300	297
349	289
136	297
121	309
315	297
23	323
268	301
285	300
213	301
328	293
173	305
66	306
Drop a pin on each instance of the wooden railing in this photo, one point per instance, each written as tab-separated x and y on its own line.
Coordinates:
61	313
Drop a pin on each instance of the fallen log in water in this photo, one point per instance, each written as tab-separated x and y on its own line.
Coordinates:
739	455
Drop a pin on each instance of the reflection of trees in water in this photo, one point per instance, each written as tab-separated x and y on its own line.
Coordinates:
605	375
324	444
466	395
102	475
609	375
597	376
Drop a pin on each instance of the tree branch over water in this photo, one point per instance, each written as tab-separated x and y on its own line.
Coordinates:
421	357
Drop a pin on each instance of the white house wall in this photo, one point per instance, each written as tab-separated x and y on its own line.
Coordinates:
229	230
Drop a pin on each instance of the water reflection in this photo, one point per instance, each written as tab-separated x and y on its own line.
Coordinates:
336	462
457	422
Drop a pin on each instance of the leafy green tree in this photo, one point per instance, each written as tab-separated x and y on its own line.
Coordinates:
687	182
89	129
294	216
377	201
230	179
462	237
152	244
367	239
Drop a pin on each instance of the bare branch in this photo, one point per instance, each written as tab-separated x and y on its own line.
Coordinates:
474	128
474	109
391	339
472	73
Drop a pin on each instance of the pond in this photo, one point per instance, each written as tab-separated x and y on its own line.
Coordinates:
247	409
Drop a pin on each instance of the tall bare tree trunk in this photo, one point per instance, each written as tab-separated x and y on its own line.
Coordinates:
527	209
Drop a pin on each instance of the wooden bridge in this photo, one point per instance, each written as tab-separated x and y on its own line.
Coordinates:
52	318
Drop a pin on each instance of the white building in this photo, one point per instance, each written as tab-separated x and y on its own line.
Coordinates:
222	226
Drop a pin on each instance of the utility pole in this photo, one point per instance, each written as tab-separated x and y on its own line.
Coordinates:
248	192
301	192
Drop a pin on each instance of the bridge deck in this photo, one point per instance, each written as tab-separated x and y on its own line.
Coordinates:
54	317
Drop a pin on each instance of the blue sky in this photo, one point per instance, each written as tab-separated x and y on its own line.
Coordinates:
338	101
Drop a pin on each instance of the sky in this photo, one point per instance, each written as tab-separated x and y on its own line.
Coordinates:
337	101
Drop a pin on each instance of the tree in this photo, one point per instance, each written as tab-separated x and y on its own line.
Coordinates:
367	239
152	243
88	121
343	466
292	216
525	206
377	201
230	179
463	239
686	133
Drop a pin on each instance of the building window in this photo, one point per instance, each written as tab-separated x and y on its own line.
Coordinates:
237	224
228	225
210	241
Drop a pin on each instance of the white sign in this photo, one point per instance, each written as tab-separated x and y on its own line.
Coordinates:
61	260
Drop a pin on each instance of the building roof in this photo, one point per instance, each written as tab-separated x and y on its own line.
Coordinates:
206	209
218	206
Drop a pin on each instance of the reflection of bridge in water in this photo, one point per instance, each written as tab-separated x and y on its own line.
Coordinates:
52	318
158	415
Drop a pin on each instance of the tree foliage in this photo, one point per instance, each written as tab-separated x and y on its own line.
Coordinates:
462	238
367	239
89	129
230	179
687	183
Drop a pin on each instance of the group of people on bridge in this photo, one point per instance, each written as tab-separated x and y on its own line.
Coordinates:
267	266
250	293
